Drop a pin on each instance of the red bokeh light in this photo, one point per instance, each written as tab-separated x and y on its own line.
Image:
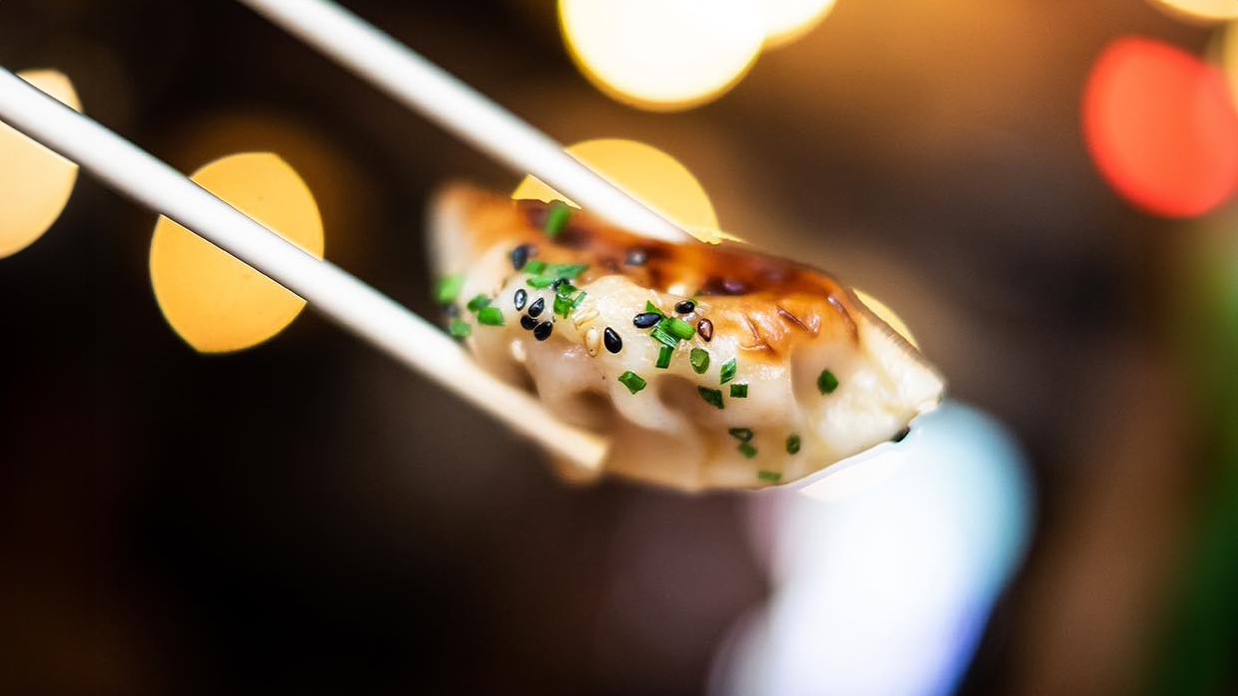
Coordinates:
1161	127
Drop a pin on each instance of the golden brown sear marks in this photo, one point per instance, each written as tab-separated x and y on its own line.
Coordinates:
769	303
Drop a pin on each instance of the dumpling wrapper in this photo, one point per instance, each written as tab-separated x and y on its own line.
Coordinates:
783	324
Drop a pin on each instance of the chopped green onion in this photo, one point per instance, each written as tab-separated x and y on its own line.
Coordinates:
741	434
447	289
712	396
662	336
746	449
793	444
699	357
565	288
827	382
728	372
651	307
541	281
739	391
632	381
769	475
534	266
566	270
678	328
563	305
478	302
490	316
556	218
459	328
580	297
664	357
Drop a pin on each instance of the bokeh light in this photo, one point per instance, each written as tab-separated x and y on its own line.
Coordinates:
663	54
646	172
1200	10
888	593
36	181
212	300
1161	127
788	20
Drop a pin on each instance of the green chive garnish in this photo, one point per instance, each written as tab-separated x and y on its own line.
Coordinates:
580	297
447	289
534	266
490	316
746	449
565	270
739	391
541	281
728	372
793	444
768	475
563	305
699	357
478	302
632	381
678	328
661	335
712	396
827	382
664	357
741	434
556	218
651	307
459	328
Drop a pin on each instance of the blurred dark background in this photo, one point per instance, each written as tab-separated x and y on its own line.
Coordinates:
308	516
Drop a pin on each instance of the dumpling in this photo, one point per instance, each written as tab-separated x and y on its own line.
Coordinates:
710	366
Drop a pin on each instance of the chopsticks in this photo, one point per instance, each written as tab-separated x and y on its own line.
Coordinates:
341	297
429	90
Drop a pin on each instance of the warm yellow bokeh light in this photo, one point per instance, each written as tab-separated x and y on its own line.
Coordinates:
663	54
214	301
646	172
788	20
887	315
35	183
1200	10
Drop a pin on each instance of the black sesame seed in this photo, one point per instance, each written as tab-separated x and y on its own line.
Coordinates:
636	257
527	322
645	320
520	256
536	308
521	298
611	339
542	332
705	328
685	306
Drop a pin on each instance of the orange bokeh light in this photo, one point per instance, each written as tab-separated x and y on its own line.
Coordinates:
36	182
213	300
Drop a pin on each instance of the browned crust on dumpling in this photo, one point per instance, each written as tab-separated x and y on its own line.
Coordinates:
770	304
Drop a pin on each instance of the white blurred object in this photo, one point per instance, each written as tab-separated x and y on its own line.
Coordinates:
887	591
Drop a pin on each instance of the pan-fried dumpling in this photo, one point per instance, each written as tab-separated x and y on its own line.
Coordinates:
709	365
